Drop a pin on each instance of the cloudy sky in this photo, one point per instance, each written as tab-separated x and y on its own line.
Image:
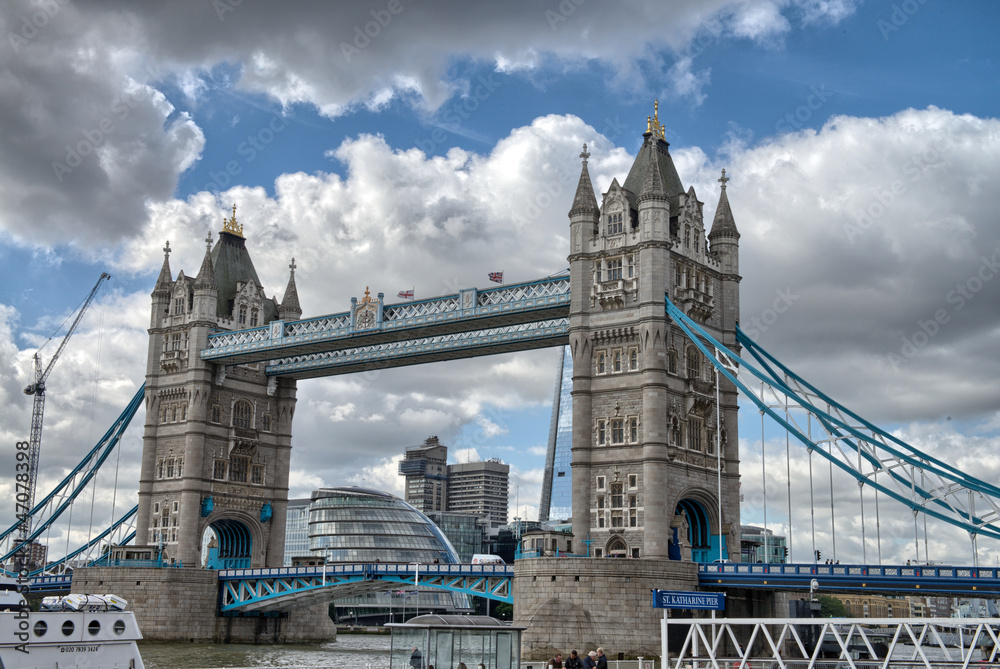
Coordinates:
419	144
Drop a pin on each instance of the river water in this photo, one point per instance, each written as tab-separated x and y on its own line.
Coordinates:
349	651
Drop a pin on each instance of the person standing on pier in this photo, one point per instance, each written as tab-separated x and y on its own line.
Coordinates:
590	662
556	662
602	659
573	661
416	659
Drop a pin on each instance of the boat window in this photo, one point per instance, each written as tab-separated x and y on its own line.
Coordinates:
119	627
41	628
94	627
67	628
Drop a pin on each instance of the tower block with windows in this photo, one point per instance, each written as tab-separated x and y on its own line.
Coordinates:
647	432
217	438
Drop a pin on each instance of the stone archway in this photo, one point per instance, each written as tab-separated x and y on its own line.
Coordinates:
698	535
616	548
233	547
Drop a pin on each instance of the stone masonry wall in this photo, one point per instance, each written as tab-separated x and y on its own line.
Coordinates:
180	605
583	603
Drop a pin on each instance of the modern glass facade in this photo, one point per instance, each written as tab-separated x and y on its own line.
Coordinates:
466	532
296	530
351	524
557	486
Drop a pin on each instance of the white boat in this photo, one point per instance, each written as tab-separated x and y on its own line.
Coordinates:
77	631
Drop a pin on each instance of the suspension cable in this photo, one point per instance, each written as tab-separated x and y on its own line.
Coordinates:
763	477
788	473
878	529
812	499
93	418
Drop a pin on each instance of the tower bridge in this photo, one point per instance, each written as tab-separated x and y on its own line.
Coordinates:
649	312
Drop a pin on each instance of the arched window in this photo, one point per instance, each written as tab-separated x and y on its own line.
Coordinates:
633	359
243	315
254	316
243	415
693	363
617	548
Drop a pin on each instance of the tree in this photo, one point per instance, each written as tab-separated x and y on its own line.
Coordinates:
504	611
831	607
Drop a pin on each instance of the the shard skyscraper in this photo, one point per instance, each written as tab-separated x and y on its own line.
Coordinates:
557	486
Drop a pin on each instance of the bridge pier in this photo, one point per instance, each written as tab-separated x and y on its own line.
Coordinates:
182	605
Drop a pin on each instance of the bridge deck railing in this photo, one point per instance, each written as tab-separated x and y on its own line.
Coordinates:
850	570
370	568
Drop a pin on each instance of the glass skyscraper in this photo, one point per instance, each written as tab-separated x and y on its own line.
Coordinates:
557	486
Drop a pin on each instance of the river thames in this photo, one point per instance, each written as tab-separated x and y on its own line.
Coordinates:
349	651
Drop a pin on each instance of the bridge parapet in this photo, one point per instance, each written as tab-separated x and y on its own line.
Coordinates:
466	311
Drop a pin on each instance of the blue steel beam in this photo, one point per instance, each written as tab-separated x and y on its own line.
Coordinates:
468	310
523	337
291	587
908	579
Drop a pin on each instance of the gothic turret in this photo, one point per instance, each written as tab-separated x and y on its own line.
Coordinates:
584	215
290	309
724	236
161	291
206	288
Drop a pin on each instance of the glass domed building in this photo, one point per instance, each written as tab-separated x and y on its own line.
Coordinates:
352	524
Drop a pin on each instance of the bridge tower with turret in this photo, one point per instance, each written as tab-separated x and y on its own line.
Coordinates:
217	438
655	462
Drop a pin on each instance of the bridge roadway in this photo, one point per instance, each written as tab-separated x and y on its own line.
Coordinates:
290	587
515	317
851	578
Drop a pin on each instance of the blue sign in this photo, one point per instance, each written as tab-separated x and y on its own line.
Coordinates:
674	599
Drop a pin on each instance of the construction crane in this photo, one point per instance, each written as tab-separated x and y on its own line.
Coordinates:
35	440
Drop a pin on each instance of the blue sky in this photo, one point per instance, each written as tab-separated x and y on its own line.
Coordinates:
861	139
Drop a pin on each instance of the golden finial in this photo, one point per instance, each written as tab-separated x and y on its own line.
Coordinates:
653	125
367	295
231	226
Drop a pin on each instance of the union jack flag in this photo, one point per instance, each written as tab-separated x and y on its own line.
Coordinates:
496	277
406	294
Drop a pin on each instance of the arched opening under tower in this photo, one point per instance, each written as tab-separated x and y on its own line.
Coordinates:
617	548
231	546
704	545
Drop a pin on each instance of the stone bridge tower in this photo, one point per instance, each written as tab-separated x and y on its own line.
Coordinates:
217	439
646	459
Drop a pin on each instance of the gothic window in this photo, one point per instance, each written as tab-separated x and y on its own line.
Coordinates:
672	361
597	272
614	269
694	434
616	358
601	364
173	413
635	551
265	422
243	415
693	363
600	432
170	468
633	480
710	442
677	276
617	430
697	238
687	237
257	474
159	469
243	315
178	305
616	519
615	224
184	412
600	483
175	341
600	523
176	505
630	267
633	359
633	430
180	468
254	316
216	413
156	508
239	466
617	496
219	471
600	502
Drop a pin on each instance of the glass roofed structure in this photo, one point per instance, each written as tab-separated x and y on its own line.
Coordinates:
352	524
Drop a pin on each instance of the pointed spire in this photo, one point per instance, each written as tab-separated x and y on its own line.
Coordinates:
652	187
723	224
206	275
164	281
290	303
584	202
